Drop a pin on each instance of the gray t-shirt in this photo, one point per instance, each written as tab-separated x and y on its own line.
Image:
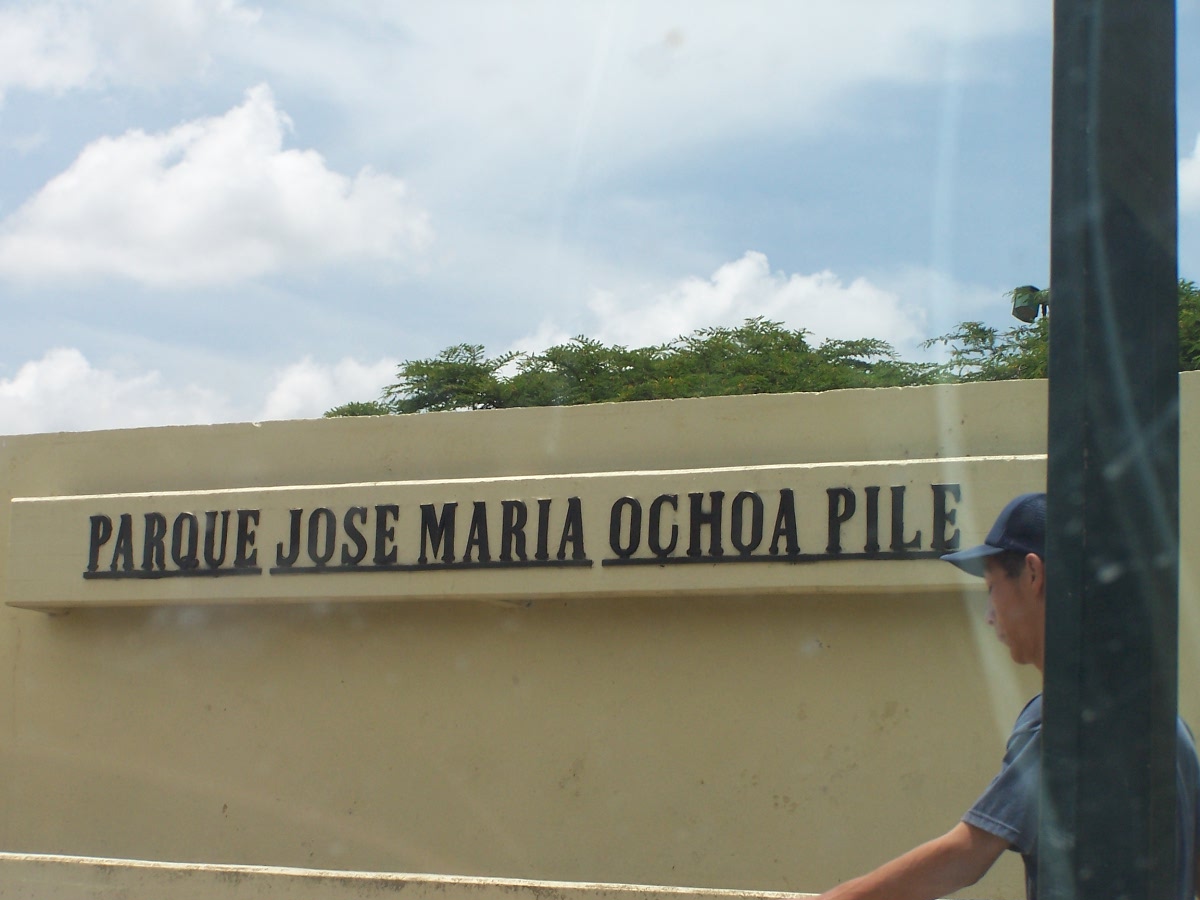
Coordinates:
1009	806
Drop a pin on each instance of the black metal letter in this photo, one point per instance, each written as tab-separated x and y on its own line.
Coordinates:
324	554
654	538
101	531
872	545
943	517
699	519
210	538
355	536
123	546
756	522
434	531
841	507
154	544
477	534
513	515
899	545
385	556
286	560
635	527
785	524
572	531
184	554
245	557
543	532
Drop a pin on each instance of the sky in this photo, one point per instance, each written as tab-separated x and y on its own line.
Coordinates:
222	211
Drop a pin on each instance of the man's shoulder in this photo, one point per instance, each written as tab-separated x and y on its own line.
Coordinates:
1184	731
1031	715
1186	743
1026	733
1030	719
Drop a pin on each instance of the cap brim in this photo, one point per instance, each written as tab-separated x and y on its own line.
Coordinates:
971	560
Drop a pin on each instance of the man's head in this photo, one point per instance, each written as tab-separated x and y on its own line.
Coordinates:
1020	528
1011	562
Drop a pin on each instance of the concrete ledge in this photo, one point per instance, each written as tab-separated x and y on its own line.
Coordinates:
48	877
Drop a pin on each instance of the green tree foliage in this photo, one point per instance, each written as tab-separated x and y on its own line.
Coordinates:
1189	326
460	377
359	408
757	357
979	352
583	371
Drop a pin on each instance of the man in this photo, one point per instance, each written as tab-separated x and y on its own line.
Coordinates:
1005	817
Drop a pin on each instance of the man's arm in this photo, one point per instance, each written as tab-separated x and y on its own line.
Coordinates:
958	858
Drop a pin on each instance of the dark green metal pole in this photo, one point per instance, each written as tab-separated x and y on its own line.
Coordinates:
1108	790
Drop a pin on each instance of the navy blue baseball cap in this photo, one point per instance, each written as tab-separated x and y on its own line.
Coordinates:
1020	528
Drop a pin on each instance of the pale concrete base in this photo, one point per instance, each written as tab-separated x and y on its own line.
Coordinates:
46	877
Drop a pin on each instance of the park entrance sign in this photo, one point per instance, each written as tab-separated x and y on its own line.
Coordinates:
509	538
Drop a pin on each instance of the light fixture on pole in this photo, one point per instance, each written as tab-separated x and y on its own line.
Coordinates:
1027	300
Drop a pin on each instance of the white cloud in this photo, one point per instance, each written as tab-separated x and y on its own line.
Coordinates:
904	308
56	46
62	391
822	304
548	334
211	201
1189	181
587	87
25	144
149	41
46	47
938	302
307	389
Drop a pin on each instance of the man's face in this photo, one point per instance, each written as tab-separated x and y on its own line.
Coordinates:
1017	608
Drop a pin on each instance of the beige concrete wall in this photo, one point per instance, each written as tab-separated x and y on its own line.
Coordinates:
706	726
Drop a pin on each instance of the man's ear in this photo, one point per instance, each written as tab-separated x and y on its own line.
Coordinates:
1035	568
